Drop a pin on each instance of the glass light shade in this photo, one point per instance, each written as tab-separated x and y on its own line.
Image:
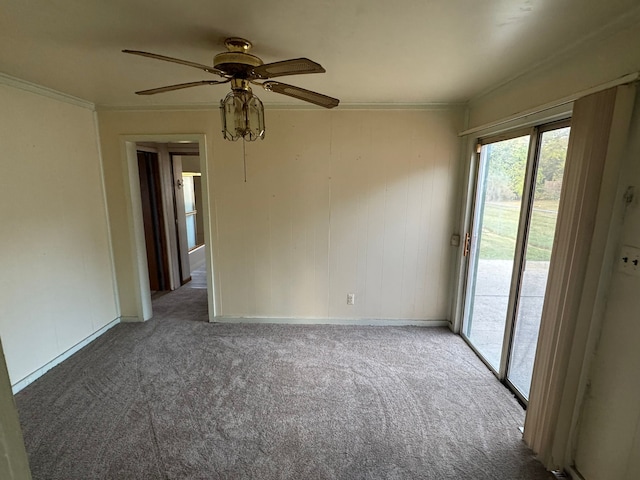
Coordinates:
242	116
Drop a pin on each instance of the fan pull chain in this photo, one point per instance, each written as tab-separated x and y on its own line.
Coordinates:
244	159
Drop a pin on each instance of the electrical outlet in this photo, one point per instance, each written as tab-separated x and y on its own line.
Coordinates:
629	260
351	298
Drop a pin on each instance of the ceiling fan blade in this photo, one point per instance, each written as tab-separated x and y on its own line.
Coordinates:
294	66
179	86
200	66
301	94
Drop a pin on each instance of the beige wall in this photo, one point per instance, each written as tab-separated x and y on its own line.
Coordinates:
56	274
190	163
335	202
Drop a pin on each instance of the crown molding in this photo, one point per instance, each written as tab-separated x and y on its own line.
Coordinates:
374	106
626	20
557	107
14	82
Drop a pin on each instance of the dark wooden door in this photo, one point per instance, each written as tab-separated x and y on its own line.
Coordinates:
153	217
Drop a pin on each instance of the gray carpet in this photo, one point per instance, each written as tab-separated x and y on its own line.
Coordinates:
178	398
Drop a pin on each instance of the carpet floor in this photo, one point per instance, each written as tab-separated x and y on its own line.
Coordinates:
177	398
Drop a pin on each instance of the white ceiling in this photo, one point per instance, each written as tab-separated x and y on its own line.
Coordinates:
374	51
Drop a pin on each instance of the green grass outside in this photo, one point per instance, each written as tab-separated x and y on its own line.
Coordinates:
500	228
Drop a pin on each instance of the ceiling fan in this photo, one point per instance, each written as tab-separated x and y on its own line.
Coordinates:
242	112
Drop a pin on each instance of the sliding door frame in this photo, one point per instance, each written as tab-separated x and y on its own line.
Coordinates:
471	237
535	134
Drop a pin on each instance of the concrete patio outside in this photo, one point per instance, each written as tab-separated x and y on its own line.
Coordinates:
487	321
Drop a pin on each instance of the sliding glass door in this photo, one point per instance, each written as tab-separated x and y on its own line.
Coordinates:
518	183
493	245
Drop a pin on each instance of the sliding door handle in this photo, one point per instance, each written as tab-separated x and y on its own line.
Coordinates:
467	244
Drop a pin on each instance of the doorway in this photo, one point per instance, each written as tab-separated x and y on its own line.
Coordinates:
508	247
141	288
189	222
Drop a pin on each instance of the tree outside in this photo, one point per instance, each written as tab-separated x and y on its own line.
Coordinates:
503	195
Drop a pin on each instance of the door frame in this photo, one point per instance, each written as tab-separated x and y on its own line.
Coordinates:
136	227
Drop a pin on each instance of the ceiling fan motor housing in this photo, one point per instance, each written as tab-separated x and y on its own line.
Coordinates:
236	62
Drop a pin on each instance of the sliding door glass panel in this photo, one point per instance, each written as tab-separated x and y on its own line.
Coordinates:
499	189
542	226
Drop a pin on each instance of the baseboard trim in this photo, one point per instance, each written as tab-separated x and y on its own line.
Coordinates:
573	473
124	319
197	258
384	322
32	377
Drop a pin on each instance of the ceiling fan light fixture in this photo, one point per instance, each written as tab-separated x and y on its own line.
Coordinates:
242	115
241	111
